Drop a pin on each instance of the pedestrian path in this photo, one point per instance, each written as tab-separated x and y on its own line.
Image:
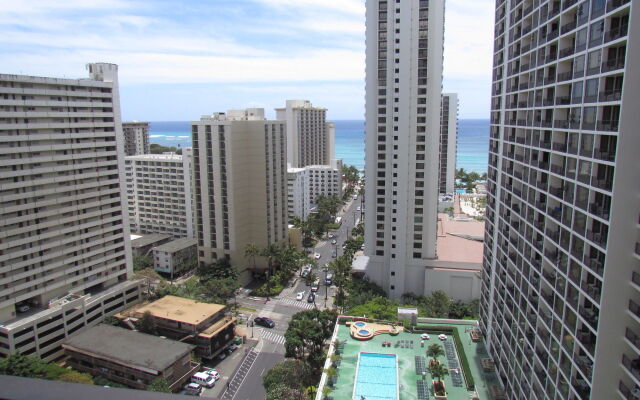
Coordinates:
296	303
271	336
234	384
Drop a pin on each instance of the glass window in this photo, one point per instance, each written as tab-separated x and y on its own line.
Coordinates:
578	66
593	62
591	89
581	39
576	90
596	33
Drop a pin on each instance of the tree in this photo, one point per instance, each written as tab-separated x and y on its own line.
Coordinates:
283	392
434	351
113	321
77	377
438	371
252	251
437	305
142	262
20	365
378	308
147	324
159	385
220	269
350	174
271	253
305	337
288	373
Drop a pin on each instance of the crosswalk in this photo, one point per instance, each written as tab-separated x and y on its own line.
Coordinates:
296	303
288	292
271	336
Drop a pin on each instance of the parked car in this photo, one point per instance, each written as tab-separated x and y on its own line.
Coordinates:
300	295
316	256
221	356
264	321
232	348
212	373
331	236
192	389
334	254
334	241
311	298
203	379
358	209
23	308
315	287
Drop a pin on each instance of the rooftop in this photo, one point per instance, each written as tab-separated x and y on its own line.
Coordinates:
406	346
146	240
17	388
128	347
179	309
169	156
176	245
460	241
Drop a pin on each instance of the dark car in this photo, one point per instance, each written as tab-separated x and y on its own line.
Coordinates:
311	298
264	321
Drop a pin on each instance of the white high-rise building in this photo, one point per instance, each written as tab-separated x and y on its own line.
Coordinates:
306	184
310	138
448	142
64	237
561	282
136	138
240	185
159	193
404	49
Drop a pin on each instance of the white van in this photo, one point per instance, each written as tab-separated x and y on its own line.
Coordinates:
203	379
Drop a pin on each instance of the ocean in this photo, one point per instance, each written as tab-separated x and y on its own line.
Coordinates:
472	153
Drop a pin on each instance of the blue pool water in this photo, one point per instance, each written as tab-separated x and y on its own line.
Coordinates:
461	191
359	324
377	377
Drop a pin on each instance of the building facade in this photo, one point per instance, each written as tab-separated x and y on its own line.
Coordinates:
64	227
404	49
240	174
159	193
136	138
448	142
561	293
310	138
306	184
171	258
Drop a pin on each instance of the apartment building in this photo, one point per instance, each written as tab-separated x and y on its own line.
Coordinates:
306	184
64	237
448	142
404	44
159	193
310	138
561	285
136	138
240	175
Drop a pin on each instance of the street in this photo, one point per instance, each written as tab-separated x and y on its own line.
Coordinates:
247	384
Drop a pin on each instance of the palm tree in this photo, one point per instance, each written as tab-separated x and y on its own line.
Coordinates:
438	371
434	351
271	252
251	251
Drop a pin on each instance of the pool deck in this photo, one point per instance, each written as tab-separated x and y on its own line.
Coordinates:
407	377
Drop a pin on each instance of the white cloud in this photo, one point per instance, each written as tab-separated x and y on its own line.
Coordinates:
344	6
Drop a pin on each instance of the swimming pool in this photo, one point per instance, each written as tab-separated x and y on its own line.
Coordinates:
376	377
461	191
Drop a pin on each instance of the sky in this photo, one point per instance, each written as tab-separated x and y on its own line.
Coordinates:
179	60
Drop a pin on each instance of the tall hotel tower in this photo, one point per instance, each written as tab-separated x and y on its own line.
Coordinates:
64	236
561	285
404	41
448	142
240	185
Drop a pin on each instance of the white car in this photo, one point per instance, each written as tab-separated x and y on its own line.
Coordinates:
334	241
358	209
316	256
300	295
212	373
442	337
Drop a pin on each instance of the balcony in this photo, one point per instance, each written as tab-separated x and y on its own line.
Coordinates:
638	248
610	125
611	95
613	64
632	366
613	4
616	33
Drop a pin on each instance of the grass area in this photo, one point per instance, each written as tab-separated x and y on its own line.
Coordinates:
247	309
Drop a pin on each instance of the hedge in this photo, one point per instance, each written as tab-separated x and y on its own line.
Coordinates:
456	338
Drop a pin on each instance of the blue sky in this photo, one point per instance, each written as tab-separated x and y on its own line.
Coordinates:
180	60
